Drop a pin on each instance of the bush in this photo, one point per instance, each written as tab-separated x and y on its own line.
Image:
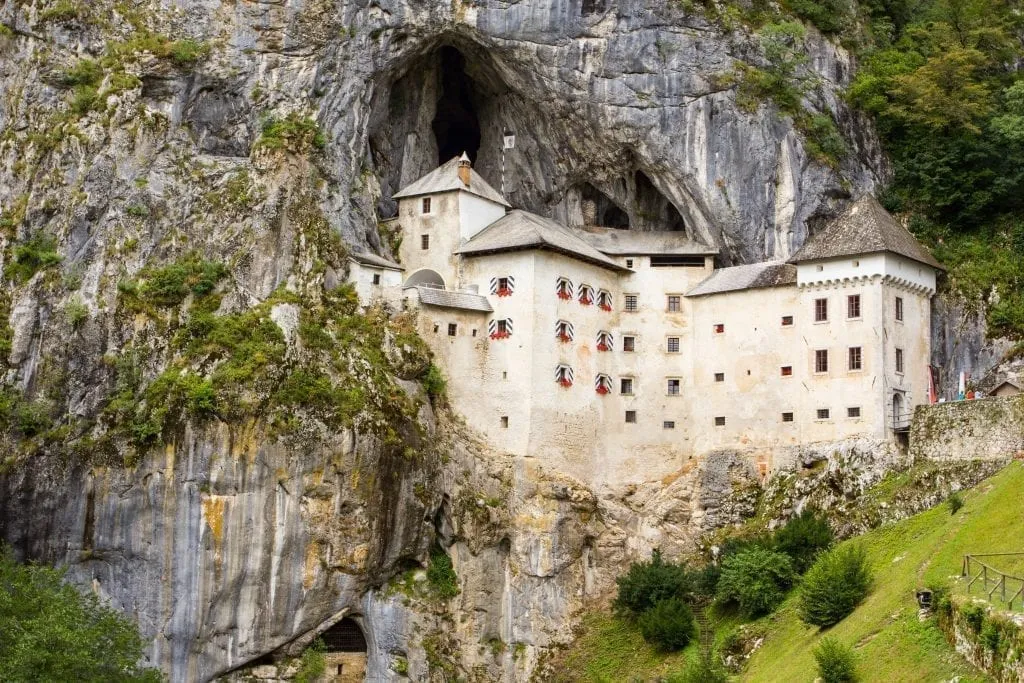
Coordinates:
441	577
293	133
830	16
803	538
835	585
954	503
755	580
700	669
312	664
75	312
836	662
37	253
648	583
169	285
434	382
669	625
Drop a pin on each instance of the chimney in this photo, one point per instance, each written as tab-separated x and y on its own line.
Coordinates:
464	167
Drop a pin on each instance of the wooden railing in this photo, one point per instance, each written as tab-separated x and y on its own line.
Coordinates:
900	422
977	571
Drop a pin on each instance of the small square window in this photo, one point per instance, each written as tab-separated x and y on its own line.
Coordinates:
502	327
436	328
631	416
853	412
819	268
787	320
672	346
376	278
853	306
453	329
673	303
720	421
856	264
504	374
626	386
899	361
632	303
502	284
426	205
668	424
673	387
786	370
821	360
504	421
820	310
856	358
474	332
719	376
899	308
424	242
719	328
787	417
824	413
629	263
629	344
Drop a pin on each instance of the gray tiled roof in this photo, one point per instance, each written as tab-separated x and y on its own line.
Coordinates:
374	260
445	178
864	228
751	276
637	243
432	296
524	230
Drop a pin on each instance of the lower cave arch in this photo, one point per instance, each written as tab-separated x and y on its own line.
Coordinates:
425	278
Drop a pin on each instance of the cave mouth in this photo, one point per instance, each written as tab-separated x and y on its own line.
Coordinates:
456	125
654	206
607	213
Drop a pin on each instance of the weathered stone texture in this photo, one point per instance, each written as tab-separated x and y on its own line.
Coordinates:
983	429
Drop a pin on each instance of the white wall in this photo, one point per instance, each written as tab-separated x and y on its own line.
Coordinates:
866	266
476	213
361	277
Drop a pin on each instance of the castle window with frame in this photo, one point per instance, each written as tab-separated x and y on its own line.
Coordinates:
626	386
787	417
628	343
853	307
824	413
603	384
503	286
631	416
720	421
853	411
719	328
604	341
668	424
856	361
674	303
899	361
500	329
586	297
821	361
424	242
563	375
376	278
453	329
899	308
563	288
425	205
672	345
504	421
719	376
629	263
632	303
672	389
786	371
787	321
564	331
604	300
820	310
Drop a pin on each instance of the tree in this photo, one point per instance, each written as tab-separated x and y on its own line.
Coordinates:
669	625
835	585
836	662
648	583
803	537
51	632
756	580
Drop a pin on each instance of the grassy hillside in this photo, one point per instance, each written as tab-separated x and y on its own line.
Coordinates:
891	643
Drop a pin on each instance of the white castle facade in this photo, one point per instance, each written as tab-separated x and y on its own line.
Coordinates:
620	355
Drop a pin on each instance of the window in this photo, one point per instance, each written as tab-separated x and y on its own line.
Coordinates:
719	328
673	387
672	345
787	417
786	370
604	341
563	375
677	260
564	331
853	306
856	359
629	344
626	386
824	413
604	300
629	263
563	288
453	329
504	421
899	308
821	360
426	205
603	384
820	310
376	278
719	421
632	303
668	424
586	295
500	329
719	376
899	361
787	320
424	242
474	332
502	286
436	328
853	412
673	303
631	416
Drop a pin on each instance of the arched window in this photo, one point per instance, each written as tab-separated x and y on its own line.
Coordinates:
500	329
604	300
603	384
604	341
503	286
425	278
563	288
564	331
563	375
586	295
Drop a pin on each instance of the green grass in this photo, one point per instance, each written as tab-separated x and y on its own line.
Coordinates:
927	549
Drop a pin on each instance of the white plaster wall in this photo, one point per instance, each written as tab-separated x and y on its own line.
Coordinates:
913	335
361	277
866	266
442	224
476	213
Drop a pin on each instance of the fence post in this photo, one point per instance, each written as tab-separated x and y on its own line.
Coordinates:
1002	587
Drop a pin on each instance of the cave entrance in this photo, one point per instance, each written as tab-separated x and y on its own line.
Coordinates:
456	125
599	209
654	207
345	652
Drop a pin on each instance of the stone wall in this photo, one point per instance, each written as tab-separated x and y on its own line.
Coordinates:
983	429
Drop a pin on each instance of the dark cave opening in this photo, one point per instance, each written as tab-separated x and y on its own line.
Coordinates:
655	207
606	212
455	125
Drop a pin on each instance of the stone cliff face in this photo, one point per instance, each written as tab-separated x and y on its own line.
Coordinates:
250	133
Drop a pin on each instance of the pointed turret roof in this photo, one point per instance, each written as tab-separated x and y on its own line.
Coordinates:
445	178
864	228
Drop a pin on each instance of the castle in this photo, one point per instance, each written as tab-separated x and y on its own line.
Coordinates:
618	355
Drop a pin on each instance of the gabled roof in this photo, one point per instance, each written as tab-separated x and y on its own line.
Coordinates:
374	260
467	301
751	276
445	178
864	228
637	243
520	229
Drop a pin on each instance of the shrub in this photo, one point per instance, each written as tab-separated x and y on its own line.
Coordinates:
441	577
830	16
991	635
974	616
37	253
669	625
954	503
803	538
85	72
836	662
835	585
755	580
75	312
293	133
188	52
700	669
169	285
312	664
648	583
434	382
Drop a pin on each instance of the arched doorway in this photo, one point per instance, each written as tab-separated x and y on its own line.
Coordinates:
345	654
425	278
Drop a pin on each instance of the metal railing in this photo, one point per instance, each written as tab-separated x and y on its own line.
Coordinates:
900	422
975	570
